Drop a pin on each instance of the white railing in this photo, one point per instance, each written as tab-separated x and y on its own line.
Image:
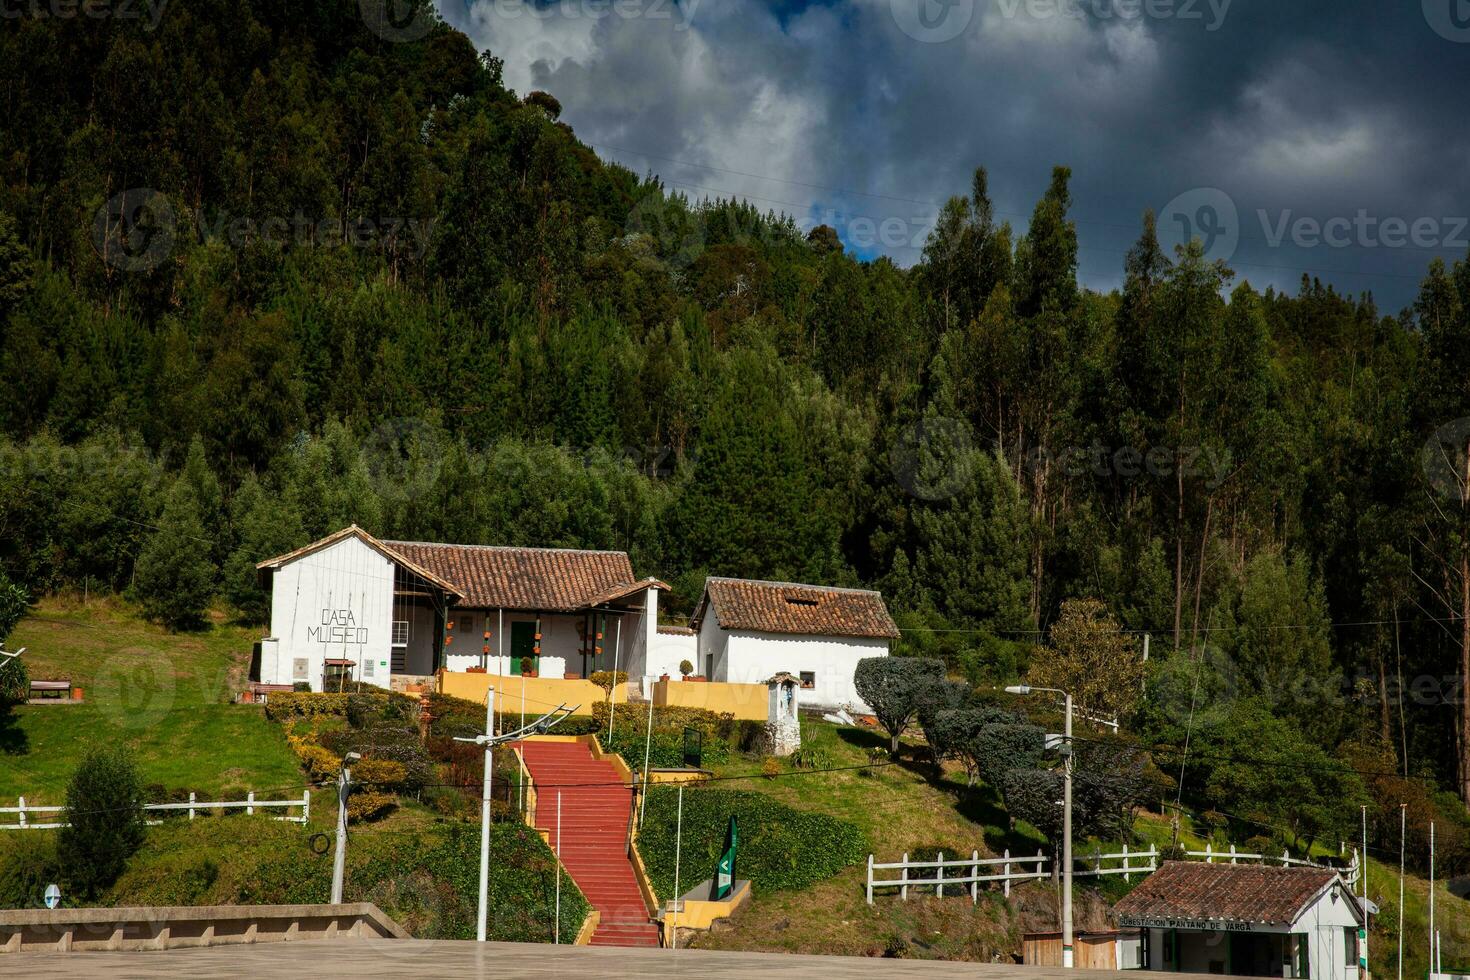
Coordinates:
250	804
1210	855
975	871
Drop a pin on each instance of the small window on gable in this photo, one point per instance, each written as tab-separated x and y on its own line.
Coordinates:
808	679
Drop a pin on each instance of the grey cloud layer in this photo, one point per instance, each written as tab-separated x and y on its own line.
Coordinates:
1321	109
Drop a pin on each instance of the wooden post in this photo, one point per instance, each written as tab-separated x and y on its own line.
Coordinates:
191	804
250	803
939	877
870	879
903	888
22	813
975	877
1007	885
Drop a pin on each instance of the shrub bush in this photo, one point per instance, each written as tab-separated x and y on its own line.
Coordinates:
28	863
367	703
780	848
104	814
383	775
720	733
367	805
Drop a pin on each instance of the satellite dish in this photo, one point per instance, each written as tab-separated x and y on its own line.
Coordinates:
53	896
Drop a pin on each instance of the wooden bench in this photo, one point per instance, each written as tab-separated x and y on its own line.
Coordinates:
56	689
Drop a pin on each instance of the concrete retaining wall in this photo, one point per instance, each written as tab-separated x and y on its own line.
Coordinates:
174	927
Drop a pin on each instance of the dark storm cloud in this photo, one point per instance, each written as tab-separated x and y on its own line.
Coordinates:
1333	130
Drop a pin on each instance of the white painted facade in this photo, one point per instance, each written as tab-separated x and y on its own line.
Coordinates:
750	657
332	604
1324	934
337	602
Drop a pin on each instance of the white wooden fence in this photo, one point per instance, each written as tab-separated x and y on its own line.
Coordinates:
1010	868
1210	855
250	804
975	870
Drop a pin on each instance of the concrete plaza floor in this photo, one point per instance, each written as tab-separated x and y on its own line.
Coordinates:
453	960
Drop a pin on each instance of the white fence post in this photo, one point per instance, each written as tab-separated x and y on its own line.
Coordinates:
1209	854
903	888
250	803
975	877
1008	873
870	879
939	877
1040	860
306	808
1232	853
22	813
191	804
1127	868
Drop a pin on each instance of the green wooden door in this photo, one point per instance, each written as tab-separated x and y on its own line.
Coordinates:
522	644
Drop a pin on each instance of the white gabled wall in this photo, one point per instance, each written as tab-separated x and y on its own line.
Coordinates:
748	657
336	603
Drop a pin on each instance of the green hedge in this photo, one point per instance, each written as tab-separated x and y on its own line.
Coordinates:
428	881
362	706
780	848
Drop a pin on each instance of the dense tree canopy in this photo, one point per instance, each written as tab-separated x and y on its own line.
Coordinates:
264	273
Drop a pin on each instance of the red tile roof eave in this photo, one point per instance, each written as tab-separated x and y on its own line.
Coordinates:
861	603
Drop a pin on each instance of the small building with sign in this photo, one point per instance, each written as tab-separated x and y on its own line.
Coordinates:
351	607
1246	920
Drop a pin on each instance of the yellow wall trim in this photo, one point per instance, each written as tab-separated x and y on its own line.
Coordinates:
542	694
747	702
702	914
589	926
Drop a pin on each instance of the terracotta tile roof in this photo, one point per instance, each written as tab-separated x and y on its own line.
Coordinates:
676	630
546	579
786	607
1224	892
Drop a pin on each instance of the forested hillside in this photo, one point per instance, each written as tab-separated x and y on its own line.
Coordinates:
264	272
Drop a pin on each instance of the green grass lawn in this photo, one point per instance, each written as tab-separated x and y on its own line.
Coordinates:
166	695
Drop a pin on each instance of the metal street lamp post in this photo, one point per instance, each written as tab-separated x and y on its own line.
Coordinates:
1067	953
339	859
488	741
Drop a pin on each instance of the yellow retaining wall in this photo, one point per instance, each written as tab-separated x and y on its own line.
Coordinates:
542	694
747	702
702	914
589	926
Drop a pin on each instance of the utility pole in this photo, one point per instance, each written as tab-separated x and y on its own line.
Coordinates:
1363	871
1067	951
339	859
485	817
1431	896
488	741
1403	811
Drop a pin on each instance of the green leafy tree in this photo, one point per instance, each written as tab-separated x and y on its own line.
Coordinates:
893	687
104	814
1091	658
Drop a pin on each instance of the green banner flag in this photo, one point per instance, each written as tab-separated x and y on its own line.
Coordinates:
725	870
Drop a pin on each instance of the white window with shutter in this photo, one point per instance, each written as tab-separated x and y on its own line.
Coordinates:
400	632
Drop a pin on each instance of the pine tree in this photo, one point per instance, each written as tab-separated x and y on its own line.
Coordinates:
175	574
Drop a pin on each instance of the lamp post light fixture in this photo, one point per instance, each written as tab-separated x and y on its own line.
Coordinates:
488	741
339	860
1067	952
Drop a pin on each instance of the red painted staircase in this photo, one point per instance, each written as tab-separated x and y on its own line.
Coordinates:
595	810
